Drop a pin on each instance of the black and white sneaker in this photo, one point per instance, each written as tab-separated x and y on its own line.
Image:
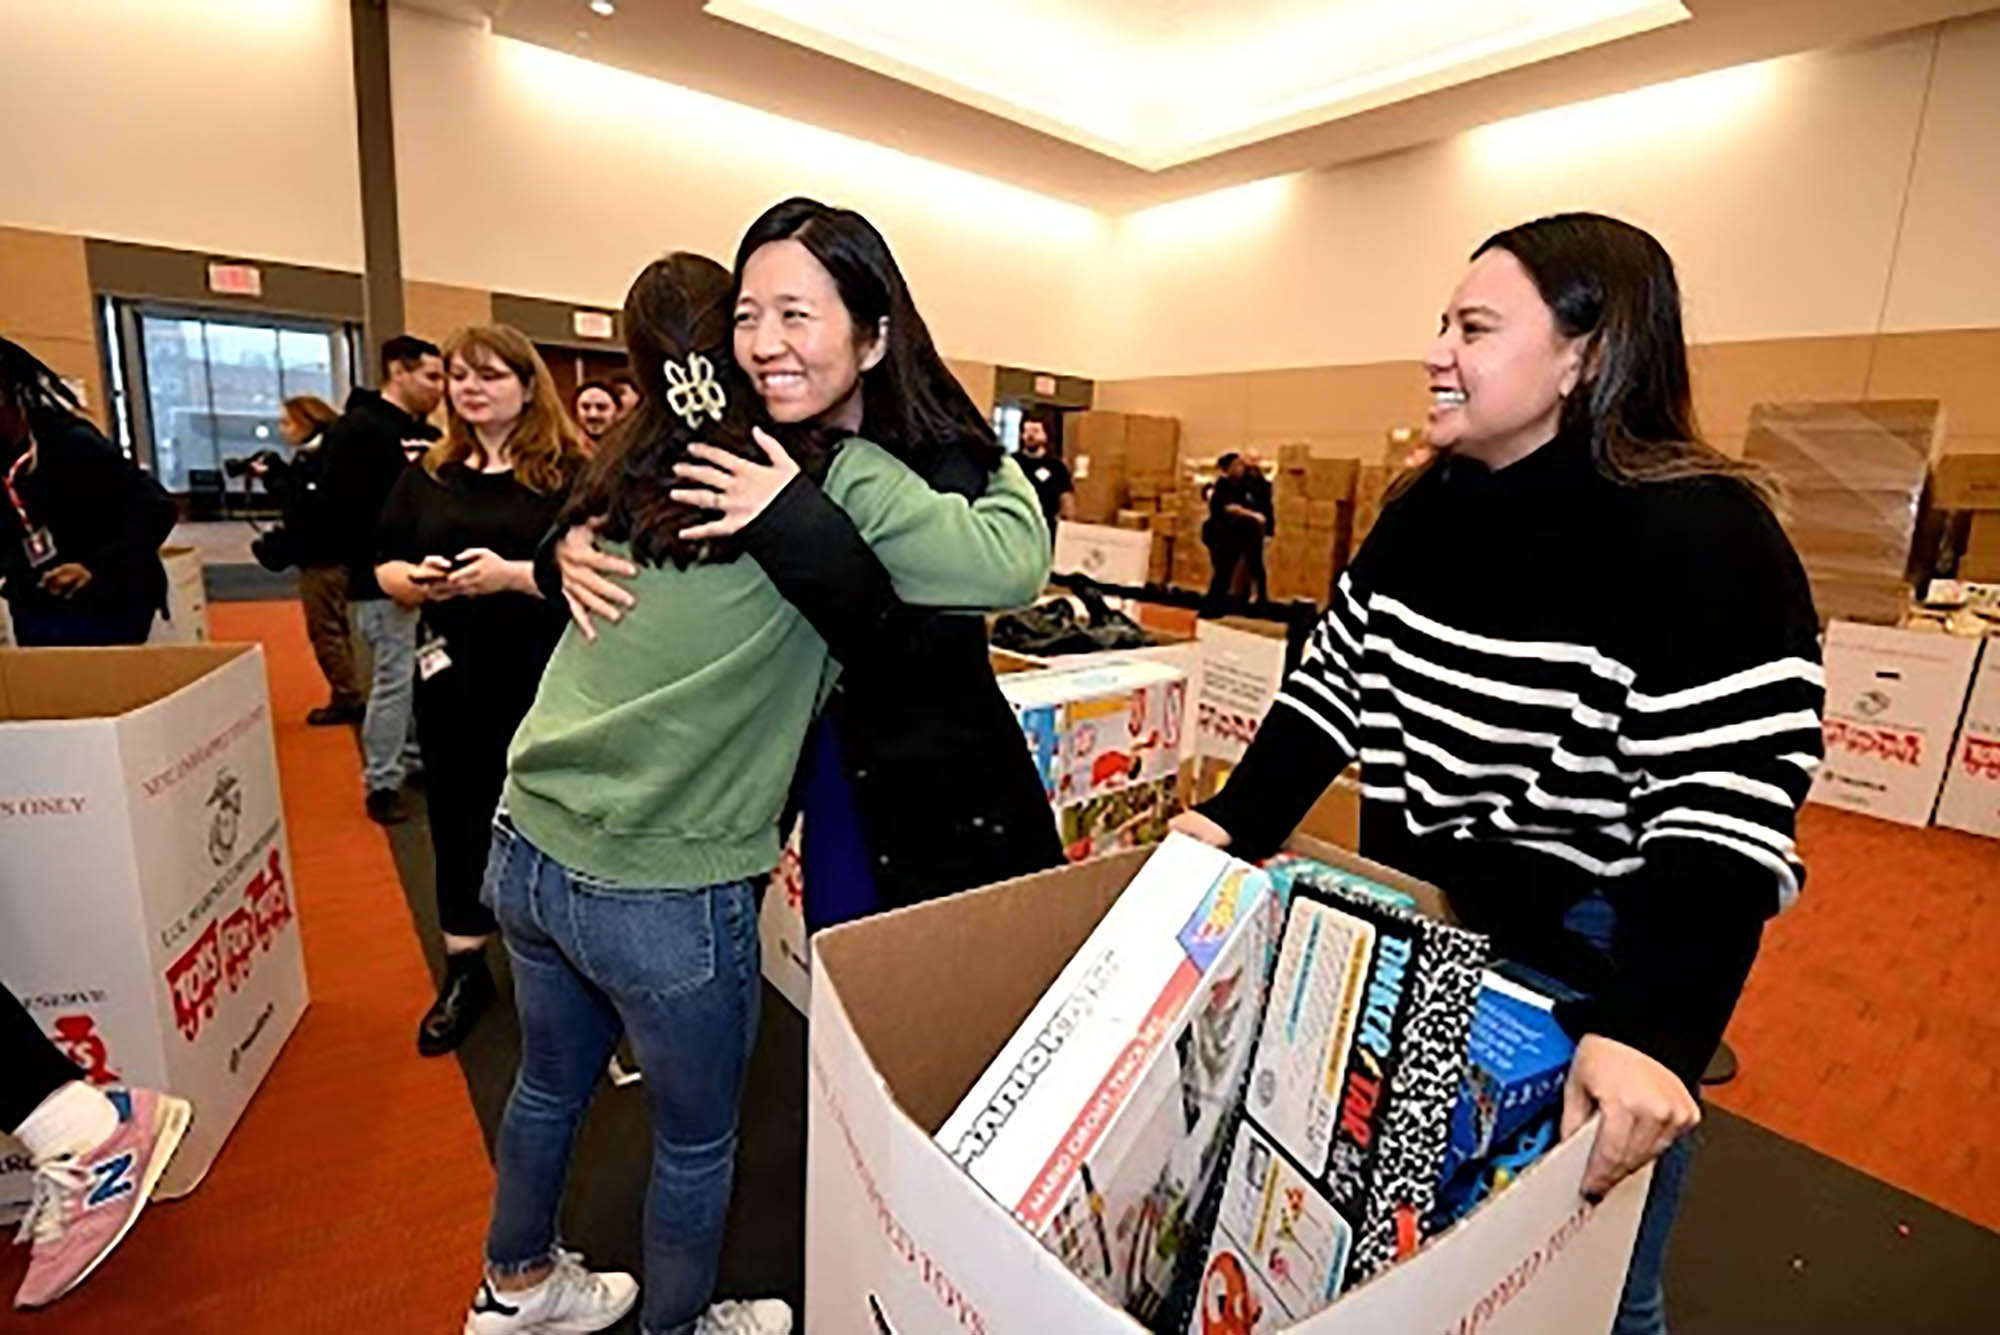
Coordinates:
571	1299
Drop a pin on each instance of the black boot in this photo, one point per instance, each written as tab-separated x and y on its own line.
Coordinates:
467	992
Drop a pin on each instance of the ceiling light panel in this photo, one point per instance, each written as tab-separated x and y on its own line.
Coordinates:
1160	82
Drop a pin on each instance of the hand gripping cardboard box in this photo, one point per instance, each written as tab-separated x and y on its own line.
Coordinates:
910	1008
148	913
1893	699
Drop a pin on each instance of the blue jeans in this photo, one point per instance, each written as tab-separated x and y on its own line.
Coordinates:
388	727
1642	1307
678	971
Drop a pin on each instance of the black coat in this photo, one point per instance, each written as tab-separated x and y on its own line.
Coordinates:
947	794
104	513
362	453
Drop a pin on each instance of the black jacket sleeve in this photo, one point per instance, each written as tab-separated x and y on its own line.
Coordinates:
1723	725
145	513
816	556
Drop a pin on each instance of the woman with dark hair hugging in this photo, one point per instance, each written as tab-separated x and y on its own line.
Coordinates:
642	807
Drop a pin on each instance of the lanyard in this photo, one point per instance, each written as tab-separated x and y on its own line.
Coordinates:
27	460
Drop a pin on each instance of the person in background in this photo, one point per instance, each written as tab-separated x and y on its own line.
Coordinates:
456	547
80	524
1048	474
597	409
97	1154
305	539
365	453
627	390
1608	785
1241	519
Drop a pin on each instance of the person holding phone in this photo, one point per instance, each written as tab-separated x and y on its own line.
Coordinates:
456	541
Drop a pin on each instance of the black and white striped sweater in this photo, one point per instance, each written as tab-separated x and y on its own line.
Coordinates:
1557	684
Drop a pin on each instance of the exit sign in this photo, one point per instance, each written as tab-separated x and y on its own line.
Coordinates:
591	324
235	280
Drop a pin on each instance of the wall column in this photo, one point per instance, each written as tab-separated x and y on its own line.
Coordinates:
382	254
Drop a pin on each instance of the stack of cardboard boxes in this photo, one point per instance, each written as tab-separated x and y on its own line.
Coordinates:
1315	503
1124	466
1191	567
1968	487
1854	477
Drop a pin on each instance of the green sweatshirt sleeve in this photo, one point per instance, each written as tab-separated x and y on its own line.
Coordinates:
942	550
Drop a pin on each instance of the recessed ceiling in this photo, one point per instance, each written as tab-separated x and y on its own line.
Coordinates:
1156	83
680	42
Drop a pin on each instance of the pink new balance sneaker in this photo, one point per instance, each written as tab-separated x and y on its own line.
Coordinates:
85	1204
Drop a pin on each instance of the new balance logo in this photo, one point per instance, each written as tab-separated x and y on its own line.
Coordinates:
111	1179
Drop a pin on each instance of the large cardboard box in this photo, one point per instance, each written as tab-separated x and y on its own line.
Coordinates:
911	1007
1966	482
1893	699
1243	664
147	902
1101	726
1980	561
1971	796
1106	553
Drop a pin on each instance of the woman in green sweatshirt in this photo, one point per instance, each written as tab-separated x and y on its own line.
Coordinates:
643	800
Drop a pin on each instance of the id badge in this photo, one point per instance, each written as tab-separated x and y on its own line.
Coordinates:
40	545
432	658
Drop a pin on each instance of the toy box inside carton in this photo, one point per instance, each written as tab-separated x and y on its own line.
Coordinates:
1516	1060
908	1010
1100	1122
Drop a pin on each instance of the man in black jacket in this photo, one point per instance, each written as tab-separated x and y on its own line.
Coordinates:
80	524
364	452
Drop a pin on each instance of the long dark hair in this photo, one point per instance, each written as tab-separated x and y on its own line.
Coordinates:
679	308
911	403
1613	285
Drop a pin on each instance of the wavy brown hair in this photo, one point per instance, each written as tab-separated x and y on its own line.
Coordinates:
679	307
546	444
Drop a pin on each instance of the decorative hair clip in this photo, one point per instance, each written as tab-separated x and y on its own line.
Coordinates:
694	391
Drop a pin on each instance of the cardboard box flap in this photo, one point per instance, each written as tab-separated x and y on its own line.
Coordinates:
102	683
932	1023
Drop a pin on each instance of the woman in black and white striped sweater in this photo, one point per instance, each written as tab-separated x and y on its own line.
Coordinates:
1578	660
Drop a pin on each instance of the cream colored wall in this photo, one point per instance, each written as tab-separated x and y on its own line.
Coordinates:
1778	188
212	125
524	170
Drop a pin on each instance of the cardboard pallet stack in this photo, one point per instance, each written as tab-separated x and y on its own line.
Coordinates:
1854	478
1315	503
1191	568
1125	466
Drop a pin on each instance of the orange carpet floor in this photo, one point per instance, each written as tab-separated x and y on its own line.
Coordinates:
1871	1026
352	1197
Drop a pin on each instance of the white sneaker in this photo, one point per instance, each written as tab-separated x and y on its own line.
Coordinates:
761	1316
571	1299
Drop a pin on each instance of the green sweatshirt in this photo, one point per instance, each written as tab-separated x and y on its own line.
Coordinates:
659	757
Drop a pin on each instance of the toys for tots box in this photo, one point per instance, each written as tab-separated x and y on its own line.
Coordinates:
1892	704
1971	797
147	908
908	1011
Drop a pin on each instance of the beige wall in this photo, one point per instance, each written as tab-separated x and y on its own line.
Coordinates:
212	125
1778	188
45	306
524	170
434	310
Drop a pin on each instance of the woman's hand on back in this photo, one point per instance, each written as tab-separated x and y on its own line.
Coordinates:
740	489
1197	826
586	585
1645	1106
